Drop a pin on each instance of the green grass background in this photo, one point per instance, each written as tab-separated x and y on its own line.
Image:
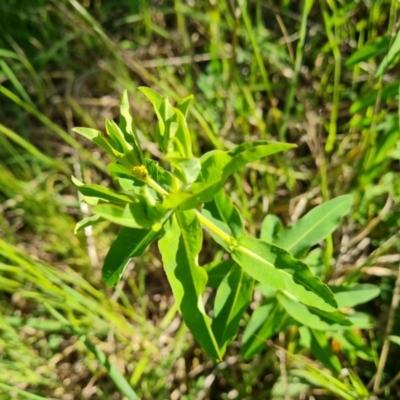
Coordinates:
322	74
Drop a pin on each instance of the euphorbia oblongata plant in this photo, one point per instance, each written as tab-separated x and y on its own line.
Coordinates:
173	206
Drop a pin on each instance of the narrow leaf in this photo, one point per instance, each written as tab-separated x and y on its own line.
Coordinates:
347	297
251	151
267	320
390	57
128	244
136	215
317	342
96	137
89	221
275	267
232	298
179	247
101	192
217	271
128	129
270	228
311	317
371	49
315	226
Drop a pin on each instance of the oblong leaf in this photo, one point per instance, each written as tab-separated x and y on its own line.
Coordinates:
89	221
275	267
315	226
317	342
128	244
101	192
232	298
310	317
351	296
179	247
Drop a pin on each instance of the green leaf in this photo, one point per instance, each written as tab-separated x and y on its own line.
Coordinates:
217	166
217	271
267	320
351	341
275	267
315	226
251	151
372	49
270	228
311	317
101	192
96	137
179	247
136	215
210	179
182	139
223	214
117	136
128	128
183	105
185	169
347	297
390	57
128	244
89	221
232	298
317	342
394	339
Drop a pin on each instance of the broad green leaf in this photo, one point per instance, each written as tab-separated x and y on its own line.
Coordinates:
128	244
179	247
117	136
182	139
315	226
217	271
101	192
317	342
136	215
210	179
251	151
217	166
183	105
223	214
275	267
128	128
390	57
89	221
232	298
96	137
310	317
270	228
185	169
372	49
164	112
347	297
267	320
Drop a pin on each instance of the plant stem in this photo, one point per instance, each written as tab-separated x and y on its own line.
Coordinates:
389	328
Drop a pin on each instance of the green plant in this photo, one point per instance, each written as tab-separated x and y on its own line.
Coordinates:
172	206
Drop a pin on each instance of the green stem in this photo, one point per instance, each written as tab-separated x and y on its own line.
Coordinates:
214	229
